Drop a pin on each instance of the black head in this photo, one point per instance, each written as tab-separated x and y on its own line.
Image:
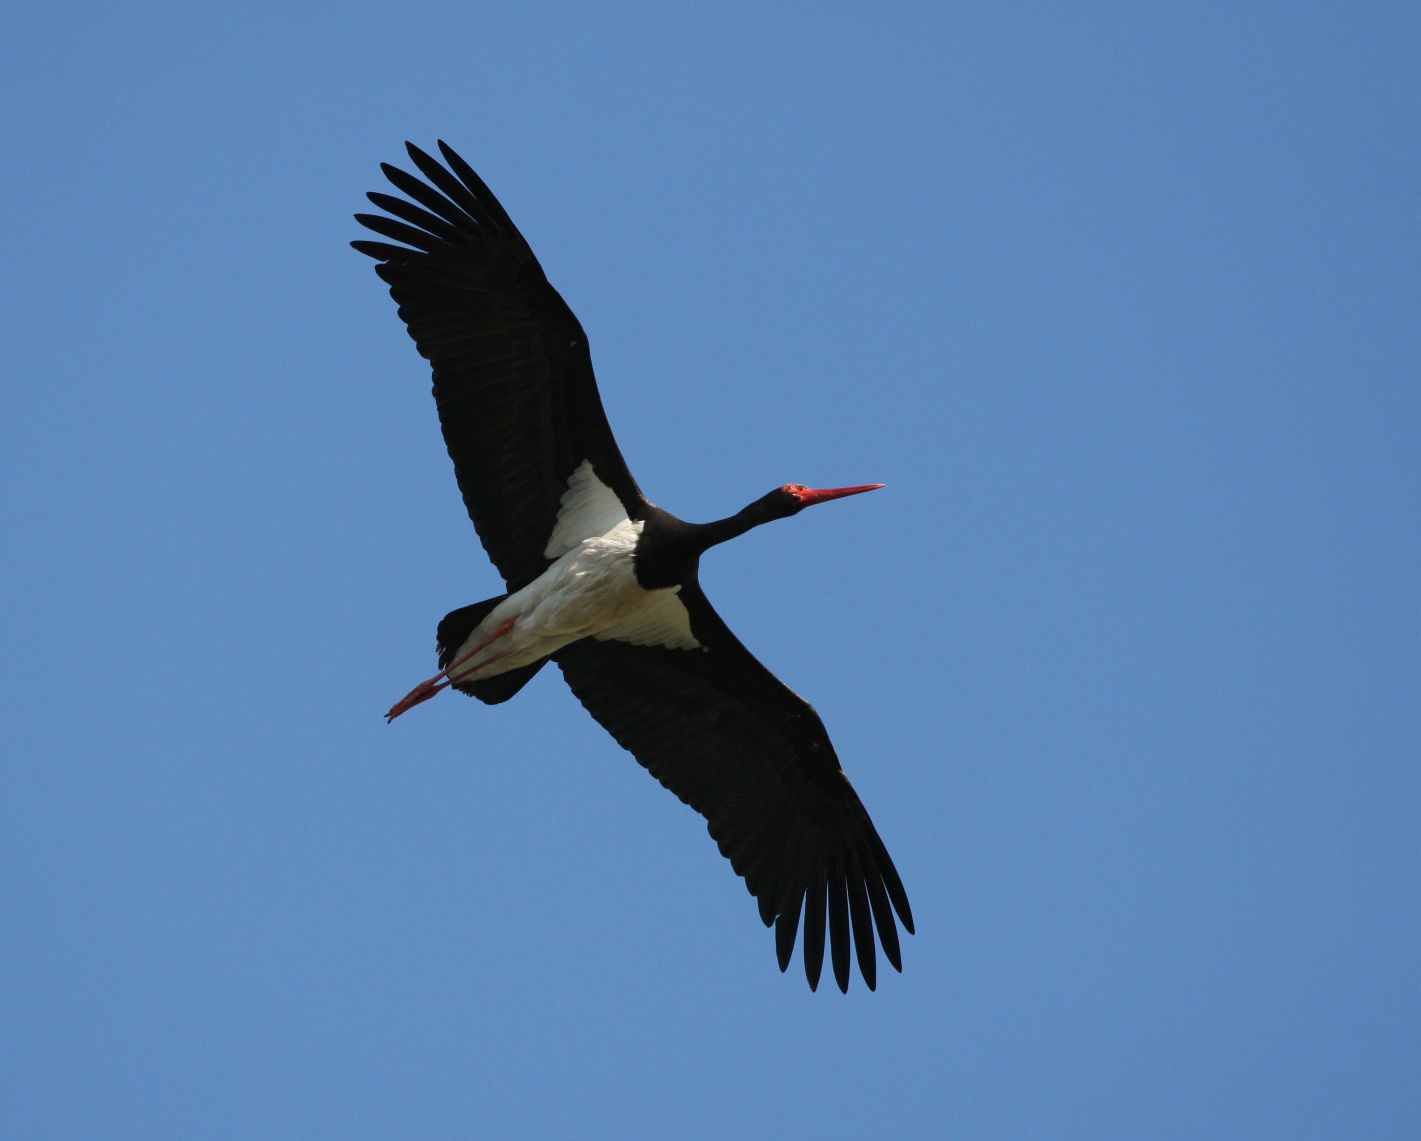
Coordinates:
793	498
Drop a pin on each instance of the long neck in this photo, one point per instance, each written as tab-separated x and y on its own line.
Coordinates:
670	548
708	535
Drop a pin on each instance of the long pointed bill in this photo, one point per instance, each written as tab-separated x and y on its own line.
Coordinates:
809	496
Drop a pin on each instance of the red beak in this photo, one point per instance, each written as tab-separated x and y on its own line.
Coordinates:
809	496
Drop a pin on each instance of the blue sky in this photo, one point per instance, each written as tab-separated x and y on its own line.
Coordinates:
1120	301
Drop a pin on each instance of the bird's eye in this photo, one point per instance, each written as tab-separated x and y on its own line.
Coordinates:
794	488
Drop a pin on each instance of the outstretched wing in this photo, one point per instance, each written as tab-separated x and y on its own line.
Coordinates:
731	740
513	380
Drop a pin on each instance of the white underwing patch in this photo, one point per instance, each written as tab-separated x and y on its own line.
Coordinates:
663	622
588	508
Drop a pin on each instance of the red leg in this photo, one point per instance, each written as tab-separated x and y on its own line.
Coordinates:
429	687
494	637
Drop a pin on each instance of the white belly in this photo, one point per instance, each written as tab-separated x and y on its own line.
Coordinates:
590	590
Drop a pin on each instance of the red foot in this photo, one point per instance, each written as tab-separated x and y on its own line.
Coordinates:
422	692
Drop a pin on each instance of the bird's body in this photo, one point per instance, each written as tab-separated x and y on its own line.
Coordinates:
590	591
605	583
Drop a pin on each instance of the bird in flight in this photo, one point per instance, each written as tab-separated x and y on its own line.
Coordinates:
603	582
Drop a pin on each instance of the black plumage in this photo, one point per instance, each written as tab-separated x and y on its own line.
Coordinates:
520	412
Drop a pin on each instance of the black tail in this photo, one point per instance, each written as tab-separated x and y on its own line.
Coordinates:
455	627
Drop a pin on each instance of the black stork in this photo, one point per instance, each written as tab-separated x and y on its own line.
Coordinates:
603	582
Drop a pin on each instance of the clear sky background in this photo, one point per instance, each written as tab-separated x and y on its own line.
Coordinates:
1120	301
